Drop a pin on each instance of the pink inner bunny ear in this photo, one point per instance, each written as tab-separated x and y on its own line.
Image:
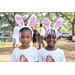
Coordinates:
46	22
32	20
19	20
59	22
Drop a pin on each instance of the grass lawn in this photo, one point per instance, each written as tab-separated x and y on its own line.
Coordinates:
67	46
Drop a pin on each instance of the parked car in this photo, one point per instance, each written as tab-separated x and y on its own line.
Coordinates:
8	33
65	35
2	34
73	38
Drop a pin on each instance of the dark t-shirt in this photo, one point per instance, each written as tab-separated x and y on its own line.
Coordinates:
35	36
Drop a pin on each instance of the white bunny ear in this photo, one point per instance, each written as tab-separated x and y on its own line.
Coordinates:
32	20
58	23
19	20
46	23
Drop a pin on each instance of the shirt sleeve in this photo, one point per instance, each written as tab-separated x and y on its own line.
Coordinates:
13	57
36	55
40	56
62	57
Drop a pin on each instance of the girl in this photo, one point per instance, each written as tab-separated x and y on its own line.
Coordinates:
51	53
35	37
25	52
15	36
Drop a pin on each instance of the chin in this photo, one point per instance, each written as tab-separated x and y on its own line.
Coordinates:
51	45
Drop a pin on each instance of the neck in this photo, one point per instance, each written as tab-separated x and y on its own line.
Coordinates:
49	48
24	47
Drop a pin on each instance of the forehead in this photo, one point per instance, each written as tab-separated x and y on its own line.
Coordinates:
26	32
50	31
51	34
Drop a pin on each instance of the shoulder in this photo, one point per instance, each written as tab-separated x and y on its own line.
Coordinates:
16	49
60	50
42	49
33	48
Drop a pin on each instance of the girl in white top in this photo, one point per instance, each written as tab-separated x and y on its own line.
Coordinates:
15	36
51	53
25	52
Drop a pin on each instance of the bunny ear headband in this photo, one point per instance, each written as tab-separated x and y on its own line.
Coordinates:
57	24
20	22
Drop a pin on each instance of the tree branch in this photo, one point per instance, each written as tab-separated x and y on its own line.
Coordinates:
49	16
66	17
7	17
28	17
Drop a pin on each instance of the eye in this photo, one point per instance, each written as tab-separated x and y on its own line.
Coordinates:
53	37
48	37
22	36
28	37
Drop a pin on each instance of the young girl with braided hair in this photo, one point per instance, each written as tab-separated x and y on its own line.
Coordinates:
51	53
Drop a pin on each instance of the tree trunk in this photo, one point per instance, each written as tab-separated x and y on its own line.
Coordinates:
73	29
73	26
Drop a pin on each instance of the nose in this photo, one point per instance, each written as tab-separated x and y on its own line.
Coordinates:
25	39
51	39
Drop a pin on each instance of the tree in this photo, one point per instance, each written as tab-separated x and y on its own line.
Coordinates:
69	19
10	17
70	16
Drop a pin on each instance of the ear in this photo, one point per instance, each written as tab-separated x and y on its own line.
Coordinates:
58	23
19	20
20	35
45	38
32	37
46	23
32	20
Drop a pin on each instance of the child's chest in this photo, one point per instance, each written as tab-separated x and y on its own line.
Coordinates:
22	56
51	56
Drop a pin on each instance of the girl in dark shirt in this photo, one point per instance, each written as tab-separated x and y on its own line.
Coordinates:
35	37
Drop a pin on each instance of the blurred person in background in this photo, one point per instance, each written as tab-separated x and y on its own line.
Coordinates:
15	36
35	37
41	32
59	34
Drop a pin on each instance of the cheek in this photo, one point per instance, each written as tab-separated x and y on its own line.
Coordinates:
55	40
30	39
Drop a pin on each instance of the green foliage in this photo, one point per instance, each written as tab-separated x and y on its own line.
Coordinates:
52	16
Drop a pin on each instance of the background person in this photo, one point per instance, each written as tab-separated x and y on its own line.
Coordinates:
35	37
59	34
15	36
41	32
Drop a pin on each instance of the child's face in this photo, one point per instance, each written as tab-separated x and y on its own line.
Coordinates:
26	38
51	40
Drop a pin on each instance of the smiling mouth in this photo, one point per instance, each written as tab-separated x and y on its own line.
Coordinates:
51	43
24	42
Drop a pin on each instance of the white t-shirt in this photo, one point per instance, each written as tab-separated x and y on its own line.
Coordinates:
47	56
18	55
16	32
41	31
